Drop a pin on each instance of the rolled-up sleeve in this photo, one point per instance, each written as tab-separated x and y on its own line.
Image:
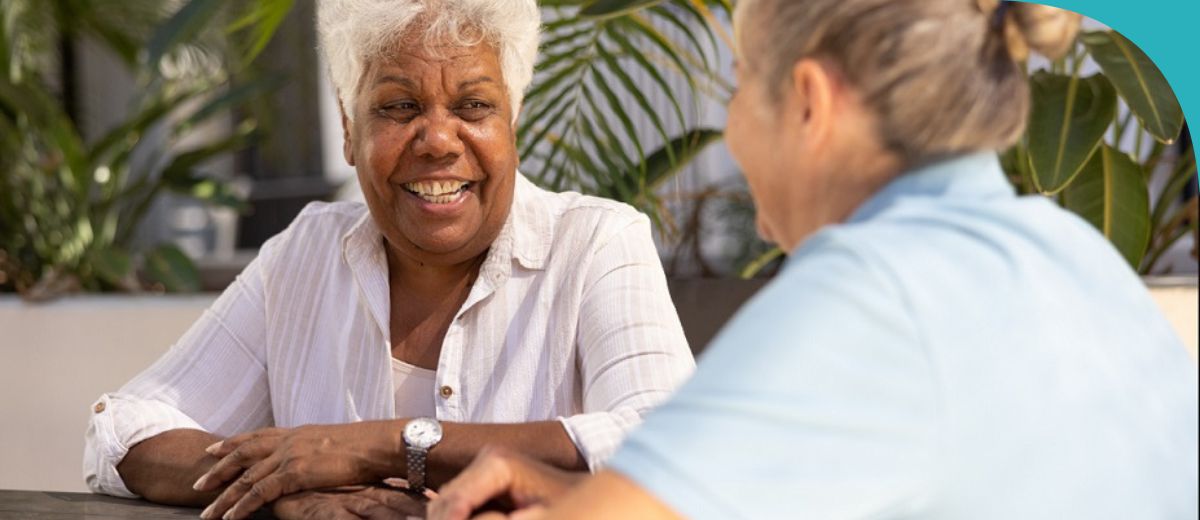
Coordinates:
213	379
631	346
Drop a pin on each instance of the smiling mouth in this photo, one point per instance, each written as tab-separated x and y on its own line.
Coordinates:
438	192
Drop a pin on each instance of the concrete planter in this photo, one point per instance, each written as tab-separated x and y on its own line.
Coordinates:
55	359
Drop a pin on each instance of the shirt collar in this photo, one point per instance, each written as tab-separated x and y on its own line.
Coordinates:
962	178
965	177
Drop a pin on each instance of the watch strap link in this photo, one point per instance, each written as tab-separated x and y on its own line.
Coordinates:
416	469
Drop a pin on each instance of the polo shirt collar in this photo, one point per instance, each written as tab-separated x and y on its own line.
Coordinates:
975	176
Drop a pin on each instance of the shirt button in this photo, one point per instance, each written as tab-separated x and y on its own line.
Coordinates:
98	408
447	392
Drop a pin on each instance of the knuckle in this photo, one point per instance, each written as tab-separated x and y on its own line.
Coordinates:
257	491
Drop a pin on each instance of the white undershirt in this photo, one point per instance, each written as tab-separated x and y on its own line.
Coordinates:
414	387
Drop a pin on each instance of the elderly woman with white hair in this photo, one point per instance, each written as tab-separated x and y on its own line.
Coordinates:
460	306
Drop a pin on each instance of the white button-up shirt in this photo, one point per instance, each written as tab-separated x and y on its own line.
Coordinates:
569	319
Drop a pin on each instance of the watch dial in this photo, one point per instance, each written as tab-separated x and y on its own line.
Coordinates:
423	433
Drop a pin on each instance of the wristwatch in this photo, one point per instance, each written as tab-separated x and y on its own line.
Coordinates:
420	436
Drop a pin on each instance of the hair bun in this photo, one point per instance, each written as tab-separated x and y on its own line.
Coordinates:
1048	30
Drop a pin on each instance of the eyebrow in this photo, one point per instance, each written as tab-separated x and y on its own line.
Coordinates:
475	81
412	85
402	81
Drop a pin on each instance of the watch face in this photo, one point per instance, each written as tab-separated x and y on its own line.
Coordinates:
422	433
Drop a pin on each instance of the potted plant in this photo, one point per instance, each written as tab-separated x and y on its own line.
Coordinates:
70	208
581	127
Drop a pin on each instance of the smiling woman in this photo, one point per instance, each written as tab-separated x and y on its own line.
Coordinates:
461	306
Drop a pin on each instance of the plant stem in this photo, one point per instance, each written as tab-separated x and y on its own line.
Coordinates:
1177	232
759	263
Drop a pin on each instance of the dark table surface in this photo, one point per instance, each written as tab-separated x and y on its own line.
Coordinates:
47	505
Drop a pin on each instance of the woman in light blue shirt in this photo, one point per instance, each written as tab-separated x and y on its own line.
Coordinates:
936	347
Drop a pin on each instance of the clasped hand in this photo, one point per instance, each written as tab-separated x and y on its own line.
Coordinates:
275	462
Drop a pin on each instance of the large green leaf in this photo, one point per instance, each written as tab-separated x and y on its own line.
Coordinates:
1140	83
168	265
1069	118
1111	194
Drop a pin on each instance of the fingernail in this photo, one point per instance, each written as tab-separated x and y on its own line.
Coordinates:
207	513
228	515
212	450
200	483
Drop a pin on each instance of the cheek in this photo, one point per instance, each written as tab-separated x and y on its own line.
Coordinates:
493	147
381	152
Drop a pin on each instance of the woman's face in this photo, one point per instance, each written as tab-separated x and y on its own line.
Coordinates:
753	138
433	142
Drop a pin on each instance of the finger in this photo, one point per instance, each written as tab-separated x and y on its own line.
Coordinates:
239	488
261	493
489	476
401	501
294	507
226	446
490	515
245	456
372	509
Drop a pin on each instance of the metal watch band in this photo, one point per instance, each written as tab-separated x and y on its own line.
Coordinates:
416	468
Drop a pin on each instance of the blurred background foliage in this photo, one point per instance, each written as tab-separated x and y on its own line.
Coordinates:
616	109
70	207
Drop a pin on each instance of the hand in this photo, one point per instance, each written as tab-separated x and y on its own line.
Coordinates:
500	475
276	462
372	503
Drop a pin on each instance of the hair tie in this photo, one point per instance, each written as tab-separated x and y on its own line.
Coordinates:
1000	14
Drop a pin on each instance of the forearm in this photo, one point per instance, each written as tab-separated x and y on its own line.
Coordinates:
163	468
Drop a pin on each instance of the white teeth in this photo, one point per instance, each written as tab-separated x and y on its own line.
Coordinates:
435	188
438	192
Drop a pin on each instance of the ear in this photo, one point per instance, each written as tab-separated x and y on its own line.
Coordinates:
347	142
814	94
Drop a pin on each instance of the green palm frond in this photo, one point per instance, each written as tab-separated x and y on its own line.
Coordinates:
616	94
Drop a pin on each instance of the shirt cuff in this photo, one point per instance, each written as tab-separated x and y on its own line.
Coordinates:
597	435
117	423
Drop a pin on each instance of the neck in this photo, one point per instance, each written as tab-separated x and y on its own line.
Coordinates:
832	197
416	277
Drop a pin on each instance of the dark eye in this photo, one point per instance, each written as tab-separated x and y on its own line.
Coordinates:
474	110
400	110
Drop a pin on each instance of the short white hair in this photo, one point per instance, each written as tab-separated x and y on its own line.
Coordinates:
355	31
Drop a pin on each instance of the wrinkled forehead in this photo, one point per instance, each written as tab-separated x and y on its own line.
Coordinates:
415	59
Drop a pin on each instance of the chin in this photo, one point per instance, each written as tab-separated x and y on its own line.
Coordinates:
764	233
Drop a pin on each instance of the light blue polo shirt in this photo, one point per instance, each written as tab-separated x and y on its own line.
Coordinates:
952	351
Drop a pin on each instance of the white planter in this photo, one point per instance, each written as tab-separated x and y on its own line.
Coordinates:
55	359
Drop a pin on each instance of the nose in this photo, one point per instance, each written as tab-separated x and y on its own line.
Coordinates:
437	137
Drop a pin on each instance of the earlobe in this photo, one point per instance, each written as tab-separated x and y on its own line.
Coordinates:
347	142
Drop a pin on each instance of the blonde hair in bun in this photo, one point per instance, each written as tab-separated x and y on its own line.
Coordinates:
940	74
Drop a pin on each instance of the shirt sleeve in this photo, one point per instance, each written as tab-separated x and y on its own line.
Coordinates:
816	401
631	347
212	379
